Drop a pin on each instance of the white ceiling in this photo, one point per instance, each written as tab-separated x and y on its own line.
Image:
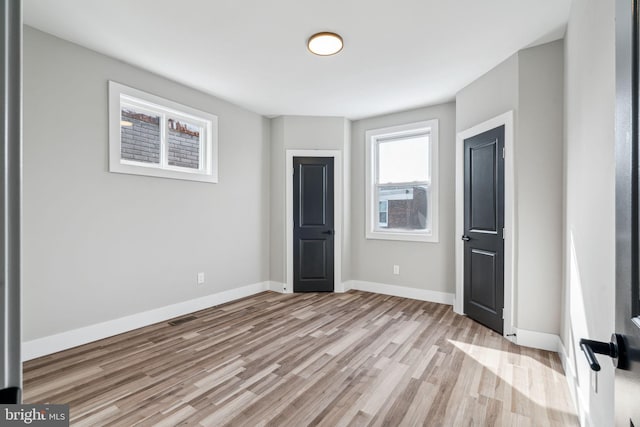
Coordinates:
398	54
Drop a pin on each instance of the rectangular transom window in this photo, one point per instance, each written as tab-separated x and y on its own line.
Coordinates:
402	182
153	136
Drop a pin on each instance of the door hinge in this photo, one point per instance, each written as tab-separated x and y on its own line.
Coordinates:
503	313
503	152
502	233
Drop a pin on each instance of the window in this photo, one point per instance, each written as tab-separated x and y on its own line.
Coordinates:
402	178
149	135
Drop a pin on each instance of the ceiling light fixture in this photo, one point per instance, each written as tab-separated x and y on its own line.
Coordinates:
325	44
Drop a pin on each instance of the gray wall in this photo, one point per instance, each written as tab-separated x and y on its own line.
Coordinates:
303	133
428	266
589	246
100	245
277	252
494	93
530	83
538	167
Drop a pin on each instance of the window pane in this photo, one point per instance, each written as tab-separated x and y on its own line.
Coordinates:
184	144
139	136
382	213
406	207
404	160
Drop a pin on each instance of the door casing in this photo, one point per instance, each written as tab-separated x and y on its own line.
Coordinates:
337	212
505	120
627	301
11	203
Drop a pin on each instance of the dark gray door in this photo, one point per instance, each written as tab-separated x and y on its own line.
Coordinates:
313	226
10	185
483	228
627	389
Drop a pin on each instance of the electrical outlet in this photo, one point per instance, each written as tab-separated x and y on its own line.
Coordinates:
200	278
396	269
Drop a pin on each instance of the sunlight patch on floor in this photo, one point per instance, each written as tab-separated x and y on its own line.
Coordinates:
497	362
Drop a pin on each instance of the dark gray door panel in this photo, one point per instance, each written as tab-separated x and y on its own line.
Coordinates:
313	224
483	228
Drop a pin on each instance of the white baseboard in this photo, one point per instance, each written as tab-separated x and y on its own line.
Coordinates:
540	340
402	291
276	286
65	340
347	286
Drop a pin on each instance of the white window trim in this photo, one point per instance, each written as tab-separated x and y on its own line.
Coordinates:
371	138
208	171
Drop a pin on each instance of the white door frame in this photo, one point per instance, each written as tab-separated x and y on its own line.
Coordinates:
505	119
337	213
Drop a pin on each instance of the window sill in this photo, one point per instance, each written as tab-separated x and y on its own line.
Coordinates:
118	167
399	236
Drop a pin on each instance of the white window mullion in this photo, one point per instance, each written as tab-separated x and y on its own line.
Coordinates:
203	151
164	145
376	156
404	184
375	212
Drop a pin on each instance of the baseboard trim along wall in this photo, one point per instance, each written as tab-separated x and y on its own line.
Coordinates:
69	339
277	286
347	286
65	340
400	291
540	340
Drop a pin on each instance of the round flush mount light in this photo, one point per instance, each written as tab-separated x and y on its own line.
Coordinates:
325	44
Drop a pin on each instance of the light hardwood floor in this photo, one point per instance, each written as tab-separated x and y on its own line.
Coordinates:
307	359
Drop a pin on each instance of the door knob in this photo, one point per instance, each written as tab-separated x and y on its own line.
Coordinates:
615	349
329	232
466	238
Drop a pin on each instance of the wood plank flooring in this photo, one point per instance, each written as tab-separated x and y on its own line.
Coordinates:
351	359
